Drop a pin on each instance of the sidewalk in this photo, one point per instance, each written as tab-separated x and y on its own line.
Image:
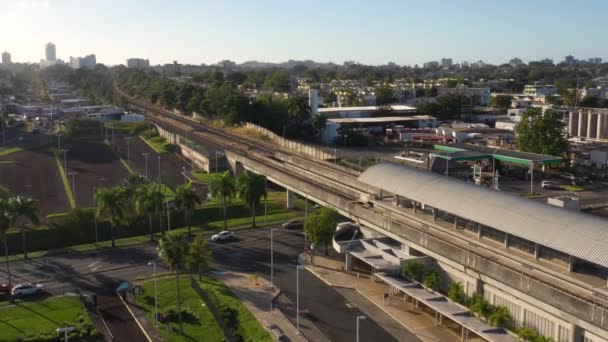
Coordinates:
258	299
420	324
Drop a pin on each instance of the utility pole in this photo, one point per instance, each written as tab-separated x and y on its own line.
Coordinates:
146	154
128	139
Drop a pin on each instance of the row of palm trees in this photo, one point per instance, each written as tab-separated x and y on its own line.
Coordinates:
14	210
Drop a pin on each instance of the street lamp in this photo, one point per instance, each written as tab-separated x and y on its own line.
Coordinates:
145	155
153	264
184	174
265	202
73	174
128	139
65	330
360	317
298	268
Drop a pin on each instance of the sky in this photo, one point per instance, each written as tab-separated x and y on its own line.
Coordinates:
406	32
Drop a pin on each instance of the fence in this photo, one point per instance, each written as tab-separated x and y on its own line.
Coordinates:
311	151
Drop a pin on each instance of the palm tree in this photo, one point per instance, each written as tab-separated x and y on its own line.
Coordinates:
298	109
319	121
110	205
172	248
22	208
223	186
252	187
4	226
187	199
148	201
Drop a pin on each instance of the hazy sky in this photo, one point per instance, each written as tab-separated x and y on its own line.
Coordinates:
367	31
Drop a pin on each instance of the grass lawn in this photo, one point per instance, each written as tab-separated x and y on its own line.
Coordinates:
247	325
203	177
33	318
199	323
10	150
571	188
66	183
158	144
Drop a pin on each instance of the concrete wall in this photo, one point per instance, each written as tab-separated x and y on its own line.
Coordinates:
309	150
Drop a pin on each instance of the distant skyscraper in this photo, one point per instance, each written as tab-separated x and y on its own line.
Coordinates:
6	58
51	55
595	60
569	59
87	62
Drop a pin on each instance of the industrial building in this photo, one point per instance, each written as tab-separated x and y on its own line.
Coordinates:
588	123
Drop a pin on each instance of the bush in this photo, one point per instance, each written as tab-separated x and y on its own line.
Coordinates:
456	292
479	305
412	270
500	316
229	315
172	148
526	334
431	279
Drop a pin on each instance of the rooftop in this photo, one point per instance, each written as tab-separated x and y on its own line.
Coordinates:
577	234
399	108
501	154
384	119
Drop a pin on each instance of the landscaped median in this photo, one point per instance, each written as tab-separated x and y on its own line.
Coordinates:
208	309
159	144
38	320
66	183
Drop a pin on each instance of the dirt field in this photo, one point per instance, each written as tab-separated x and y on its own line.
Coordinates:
170	164
35	174
95	165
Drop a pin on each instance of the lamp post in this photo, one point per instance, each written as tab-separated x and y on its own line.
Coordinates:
153	264
73	174
265	202
128	139
184	174
272	256
65	330
145	155
360	317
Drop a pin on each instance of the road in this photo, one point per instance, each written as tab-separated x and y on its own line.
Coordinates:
101	271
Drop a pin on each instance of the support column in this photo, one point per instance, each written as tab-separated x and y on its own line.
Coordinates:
434	212
536	251
601	121
455	222
591	125
571	264
414	207
348	262
582	124
291	201
506	240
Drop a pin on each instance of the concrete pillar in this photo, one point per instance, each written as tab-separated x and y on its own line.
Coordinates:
397	201
414	207
506	240
291	200
348	262
601	121
479	231
434	213
582	124
536	250
455	222
572	123
570	264
591	125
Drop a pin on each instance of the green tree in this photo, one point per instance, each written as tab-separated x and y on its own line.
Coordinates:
298	109
278	81
412	270
318	123
198	257
538	133
431	279
223	186
501	101
385	95
251	188
148	201
109	204
186	199
172	248
320	227
23	208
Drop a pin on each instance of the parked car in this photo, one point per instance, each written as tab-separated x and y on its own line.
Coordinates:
5	289
547	185
293	224
223	236
26	289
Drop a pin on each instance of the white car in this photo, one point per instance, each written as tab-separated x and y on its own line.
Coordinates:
547	185
26	289
222	236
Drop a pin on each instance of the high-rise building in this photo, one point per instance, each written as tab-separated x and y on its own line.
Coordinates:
595	60
6	58
87	62
569	59
446	62
51	55
138	63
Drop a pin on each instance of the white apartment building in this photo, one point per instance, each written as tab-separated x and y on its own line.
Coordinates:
479	96
539	90
87	62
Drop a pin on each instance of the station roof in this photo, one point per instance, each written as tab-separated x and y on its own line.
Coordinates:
383	119
510	156
397	108
581	235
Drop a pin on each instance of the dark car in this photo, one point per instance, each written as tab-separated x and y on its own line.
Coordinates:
293	224
5	289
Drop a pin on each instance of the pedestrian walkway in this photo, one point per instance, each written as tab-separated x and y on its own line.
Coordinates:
258	298
416	321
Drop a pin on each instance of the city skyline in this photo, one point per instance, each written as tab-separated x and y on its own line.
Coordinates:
406	33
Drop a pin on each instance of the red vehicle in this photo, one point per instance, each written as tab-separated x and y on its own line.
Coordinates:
5	289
